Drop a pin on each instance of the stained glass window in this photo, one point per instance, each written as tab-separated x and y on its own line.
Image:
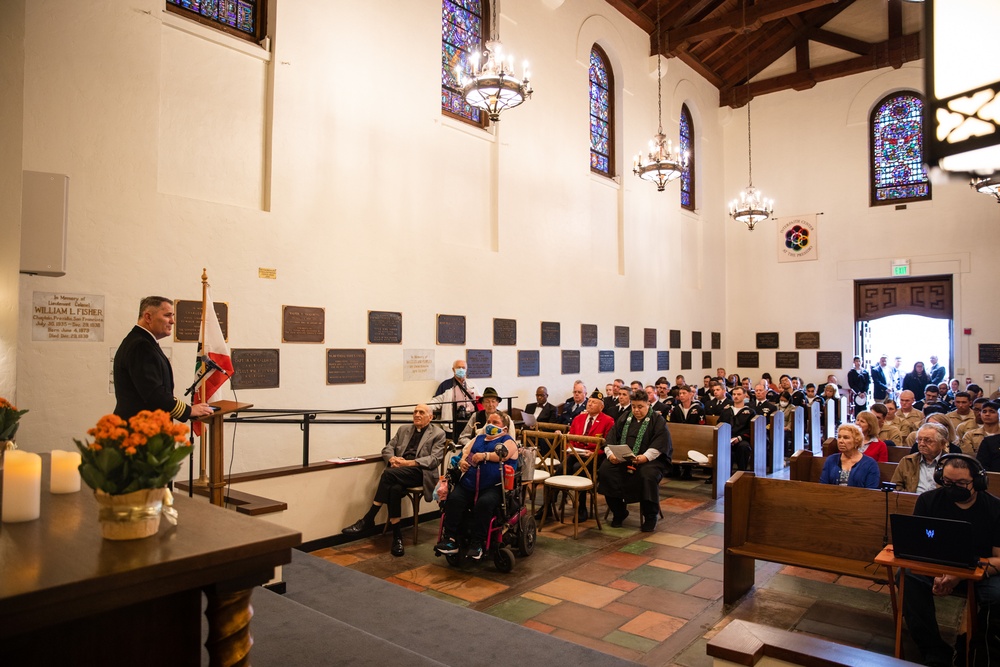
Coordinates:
897	151
243	18
601	114
463	25
687	144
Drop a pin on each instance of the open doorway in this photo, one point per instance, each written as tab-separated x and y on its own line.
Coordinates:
912	337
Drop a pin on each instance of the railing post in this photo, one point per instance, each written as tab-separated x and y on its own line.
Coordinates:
306	418
388	424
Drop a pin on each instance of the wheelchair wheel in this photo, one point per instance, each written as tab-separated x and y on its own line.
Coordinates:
504	559
526	540
455	560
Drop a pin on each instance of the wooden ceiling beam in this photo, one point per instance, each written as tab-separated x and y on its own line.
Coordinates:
698	66
735	21
632	13
683	13
842	42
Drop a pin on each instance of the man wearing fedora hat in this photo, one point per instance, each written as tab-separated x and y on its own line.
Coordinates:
490	401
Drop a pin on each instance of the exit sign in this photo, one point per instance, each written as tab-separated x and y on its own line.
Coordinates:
900	267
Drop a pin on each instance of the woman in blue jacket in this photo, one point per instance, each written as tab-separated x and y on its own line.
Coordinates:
850	467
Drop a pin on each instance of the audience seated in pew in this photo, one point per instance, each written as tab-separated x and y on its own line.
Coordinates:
971	441
907	419
887	431
686	410
739	418
871	445
850	467
936	418
989	453
915	473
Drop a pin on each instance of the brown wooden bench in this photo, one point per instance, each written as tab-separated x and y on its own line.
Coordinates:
804	466
817	526
552	427
895	453
712	441
814	423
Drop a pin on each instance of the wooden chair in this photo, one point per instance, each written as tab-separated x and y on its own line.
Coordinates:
584	478
416	493
551	427
545	464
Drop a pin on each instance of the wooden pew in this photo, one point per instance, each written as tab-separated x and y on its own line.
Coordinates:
758	445
831	528
814	423
552	427
804	466
797	429
777	436
712	441
895	453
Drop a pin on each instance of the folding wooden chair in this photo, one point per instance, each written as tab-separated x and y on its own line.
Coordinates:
583	478
549	458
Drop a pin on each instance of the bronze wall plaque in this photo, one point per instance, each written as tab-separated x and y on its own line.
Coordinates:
302	324
649	339
570	362
663	360
451	329
829	360
675	339
706	359
696	340
255	368
636	361
989	353
480	363
504	331
528	363
606	361
385	327
786	359
748	359
806	340
686	360
716	340
187	320
767	340
345	366
588	335
551	335
622	338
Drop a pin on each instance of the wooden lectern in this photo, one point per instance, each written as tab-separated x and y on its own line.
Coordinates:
216	468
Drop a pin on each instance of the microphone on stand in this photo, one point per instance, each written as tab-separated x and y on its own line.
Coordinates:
211	365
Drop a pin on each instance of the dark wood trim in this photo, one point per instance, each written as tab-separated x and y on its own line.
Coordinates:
260	21
900	303
244	503
755	17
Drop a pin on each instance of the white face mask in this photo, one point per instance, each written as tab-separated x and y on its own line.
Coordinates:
783	404
460	373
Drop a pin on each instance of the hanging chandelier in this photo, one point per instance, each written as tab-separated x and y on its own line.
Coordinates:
987	185
661	164
493	86
751	206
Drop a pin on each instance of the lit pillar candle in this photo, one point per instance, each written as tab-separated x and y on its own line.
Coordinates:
22	486
65	474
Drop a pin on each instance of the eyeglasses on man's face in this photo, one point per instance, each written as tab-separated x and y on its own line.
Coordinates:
964	483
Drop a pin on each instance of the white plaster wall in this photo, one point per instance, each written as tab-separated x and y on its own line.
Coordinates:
369	200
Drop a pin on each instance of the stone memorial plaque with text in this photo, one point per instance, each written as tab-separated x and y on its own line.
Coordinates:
829	360
685	360
451	329
989	353
385	327
345	366
706	359
716	340
588	335
187	320
480	363
696	340
649	339
748	359
636	361
767	340
622	338
302	324
504	331
528	363
675	339
663	360
806	340
570	362
606	361
61	316
255	368
551	334
786	359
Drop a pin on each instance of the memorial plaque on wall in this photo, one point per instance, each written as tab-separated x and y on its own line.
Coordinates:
570	362
187	320
636	361
747	359
385	327
696	340
829	360
806	340
767	340
675	339
716	340
588	335
989	353
504	331
451	329
528	363
550	334
663	360
301	324
606	361
622	339
649	339
480	363
706	359
786	359
345	366
60	316
255	368
685	360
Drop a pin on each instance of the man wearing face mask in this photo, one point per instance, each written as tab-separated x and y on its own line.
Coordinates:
958	498
456	396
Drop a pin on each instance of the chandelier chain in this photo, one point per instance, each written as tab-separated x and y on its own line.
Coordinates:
659	76
746	34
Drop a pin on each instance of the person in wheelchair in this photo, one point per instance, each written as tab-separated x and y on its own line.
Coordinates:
480	486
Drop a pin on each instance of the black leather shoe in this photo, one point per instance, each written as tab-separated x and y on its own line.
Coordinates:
582	514
358	526
397	546
618	519
648	523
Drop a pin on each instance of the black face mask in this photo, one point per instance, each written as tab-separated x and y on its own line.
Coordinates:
958	494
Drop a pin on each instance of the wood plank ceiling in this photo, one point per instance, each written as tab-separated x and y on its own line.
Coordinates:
792	44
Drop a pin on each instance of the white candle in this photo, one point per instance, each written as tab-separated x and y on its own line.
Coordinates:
22	486
65	474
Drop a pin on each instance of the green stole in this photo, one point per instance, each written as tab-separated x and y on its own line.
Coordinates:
638	437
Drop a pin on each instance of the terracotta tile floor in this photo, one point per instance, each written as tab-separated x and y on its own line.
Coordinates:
655	598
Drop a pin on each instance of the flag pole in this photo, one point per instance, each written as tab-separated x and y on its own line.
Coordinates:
203	452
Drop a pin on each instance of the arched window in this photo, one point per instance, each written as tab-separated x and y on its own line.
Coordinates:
687	144
897	150
242	18
602	108
463	24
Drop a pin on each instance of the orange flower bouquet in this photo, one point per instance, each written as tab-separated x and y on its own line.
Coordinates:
144	453
9	419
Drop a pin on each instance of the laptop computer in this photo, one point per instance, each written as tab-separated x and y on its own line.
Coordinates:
931	540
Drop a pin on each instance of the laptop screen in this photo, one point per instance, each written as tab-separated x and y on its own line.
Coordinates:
932	540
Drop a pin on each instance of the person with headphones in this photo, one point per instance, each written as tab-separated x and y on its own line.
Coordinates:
962	496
